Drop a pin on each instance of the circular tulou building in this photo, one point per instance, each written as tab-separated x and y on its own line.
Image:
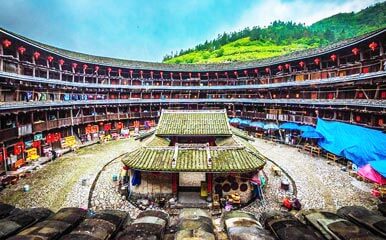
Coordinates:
193	154
50	97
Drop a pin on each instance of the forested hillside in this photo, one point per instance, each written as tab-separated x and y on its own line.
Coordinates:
282	37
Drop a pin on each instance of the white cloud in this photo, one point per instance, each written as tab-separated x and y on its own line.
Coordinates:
300	11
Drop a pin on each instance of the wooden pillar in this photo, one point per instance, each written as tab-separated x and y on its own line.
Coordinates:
48	69
209	181
1	59
33	67
174	183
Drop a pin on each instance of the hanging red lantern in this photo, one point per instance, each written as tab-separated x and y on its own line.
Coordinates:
317	61
287	66
180	74
171	75
333	57
162	74
245	72
151	74
21	50
109	70
85	67
373	46
267	70
301	64
207	74
50	58
280	67
355	51
96	69
216	74
61	62
190	75
256	70
6	43
36	55
358	118
74	65
226	74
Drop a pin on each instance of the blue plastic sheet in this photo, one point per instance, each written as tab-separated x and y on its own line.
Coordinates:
289	126
358	144
379	166
257	124
311	134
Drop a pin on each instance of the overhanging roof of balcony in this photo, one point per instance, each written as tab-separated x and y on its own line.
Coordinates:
131	64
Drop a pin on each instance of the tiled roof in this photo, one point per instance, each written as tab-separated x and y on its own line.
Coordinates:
197	123
190	160
132	64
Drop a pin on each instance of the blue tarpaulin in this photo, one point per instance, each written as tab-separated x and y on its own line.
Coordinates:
234	120
289	126
379	166
306	128
257	124
358	144
245	123
311	134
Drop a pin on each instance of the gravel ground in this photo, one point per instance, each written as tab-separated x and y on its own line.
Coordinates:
319	184
59	183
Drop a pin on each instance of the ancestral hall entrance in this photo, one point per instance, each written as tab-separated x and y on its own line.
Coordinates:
191	181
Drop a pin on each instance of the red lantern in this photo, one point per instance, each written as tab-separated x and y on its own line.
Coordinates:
358	118
151	74
162	74
61	62
207	74
267	70
301	64
21	50
109	70
373	46
245	72
36	55
216	74
50	58
287	66
190	75
74	65
256	70
333	57
280	67
226	74
85	67
355	51
317	61
171	75
180	75
96	69
6	43
235	73
380	122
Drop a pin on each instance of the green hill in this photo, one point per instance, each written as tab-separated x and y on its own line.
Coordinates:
282	37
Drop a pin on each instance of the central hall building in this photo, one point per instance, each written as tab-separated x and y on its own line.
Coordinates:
196	152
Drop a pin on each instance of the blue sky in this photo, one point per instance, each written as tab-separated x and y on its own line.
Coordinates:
149	29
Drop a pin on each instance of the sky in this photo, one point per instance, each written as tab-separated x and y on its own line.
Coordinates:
149	29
